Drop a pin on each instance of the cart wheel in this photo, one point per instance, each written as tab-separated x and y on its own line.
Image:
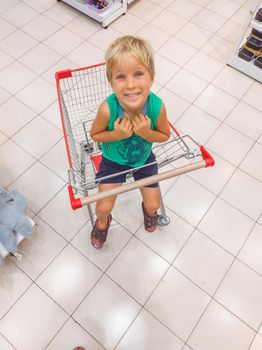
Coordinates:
163	221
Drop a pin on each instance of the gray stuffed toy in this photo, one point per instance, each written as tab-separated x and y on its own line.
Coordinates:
13	221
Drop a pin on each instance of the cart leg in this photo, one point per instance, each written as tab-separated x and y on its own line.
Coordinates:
163	219
91	215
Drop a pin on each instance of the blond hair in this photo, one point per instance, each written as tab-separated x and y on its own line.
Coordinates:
129	45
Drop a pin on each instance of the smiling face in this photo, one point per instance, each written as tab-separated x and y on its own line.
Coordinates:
131	82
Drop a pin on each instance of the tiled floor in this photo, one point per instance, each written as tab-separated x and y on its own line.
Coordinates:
193	285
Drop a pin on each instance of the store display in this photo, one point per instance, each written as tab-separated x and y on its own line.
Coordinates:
248	53
103	11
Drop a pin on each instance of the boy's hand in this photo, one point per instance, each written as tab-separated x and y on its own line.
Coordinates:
141	125
123	128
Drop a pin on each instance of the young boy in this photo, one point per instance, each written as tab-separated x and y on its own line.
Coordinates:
127	123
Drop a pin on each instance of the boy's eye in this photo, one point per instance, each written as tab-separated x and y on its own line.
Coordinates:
138	74
120	77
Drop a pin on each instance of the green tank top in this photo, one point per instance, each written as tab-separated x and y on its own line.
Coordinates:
133	151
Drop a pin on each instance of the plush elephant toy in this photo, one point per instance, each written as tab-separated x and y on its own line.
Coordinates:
13	221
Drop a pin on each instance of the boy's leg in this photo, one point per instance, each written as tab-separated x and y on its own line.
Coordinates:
105	206
104	217
150	206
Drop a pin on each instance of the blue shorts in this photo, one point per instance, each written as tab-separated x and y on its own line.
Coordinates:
107	167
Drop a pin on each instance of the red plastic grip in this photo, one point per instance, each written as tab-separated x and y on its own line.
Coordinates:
76	203
207	157
62	74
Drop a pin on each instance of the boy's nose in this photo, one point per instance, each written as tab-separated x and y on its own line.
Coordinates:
130	82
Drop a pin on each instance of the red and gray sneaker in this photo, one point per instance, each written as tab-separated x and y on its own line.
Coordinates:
150	221
98	235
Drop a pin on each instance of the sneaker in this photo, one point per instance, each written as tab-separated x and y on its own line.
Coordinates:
150	221
98	235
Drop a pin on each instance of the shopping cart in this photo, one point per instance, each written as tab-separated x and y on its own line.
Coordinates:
80	92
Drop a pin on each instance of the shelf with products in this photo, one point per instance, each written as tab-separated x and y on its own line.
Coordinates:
103	11
247	55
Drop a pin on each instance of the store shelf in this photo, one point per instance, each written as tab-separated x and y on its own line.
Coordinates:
249	68
115	9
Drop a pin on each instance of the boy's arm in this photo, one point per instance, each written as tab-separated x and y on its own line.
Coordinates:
99	132
141	126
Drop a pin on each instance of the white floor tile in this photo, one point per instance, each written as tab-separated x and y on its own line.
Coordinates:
240	292
41	27
5	345
219	48
84	27
145	10
230	31
59	208
198	124
137	270
39	317
242	191
60	13
63	41
204	66
189	200
114	312
214	178
103	39
13	284
246	119
4	95
186	85
5	60
225	8
169	22
15	77
38	95
86	54
72	335
37	136
56	160
216	102
194	35
252	97
14	162
42	5
225	331
3	138
168	240
257	343
232	82
6	28
52	114
251	163
154	35
148	333
177	51
165	70
204	262
69	278
9	44
38	184
226	225
14	115
39	250
20	14
240	17
184	8
116	240
39	59
250	253
186	302
175	105
234	147
209	20
163	3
